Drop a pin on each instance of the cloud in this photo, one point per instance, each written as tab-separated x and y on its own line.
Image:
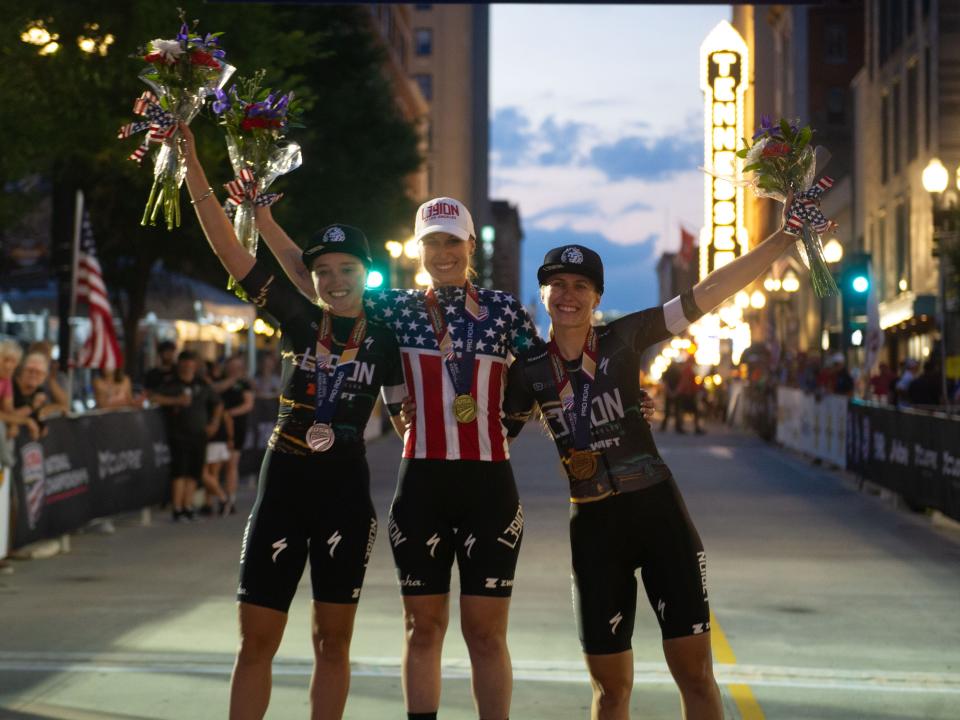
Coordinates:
642	158
637	207
510	136
588	207
516	141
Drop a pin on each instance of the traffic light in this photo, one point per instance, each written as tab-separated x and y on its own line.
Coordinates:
375	278
855	279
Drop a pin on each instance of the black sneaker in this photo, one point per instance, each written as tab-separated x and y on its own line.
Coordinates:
206	511
177	515
223	507
189	515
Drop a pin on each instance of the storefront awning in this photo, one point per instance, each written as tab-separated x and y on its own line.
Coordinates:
907	306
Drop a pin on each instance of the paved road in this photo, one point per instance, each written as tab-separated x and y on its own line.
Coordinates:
828	604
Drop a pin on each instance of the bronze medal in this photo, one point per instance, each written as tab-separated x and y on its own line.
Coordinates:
320	437
465	408
582	464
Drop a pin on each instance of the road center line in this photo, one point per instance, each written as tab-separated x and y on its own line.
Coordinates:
740	692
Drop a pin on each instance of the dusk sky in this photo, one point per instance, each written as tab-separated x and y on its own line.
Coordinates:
597	132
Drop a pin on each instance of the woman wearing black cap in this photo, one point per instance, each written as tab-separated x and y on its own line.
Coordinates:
314	494
626	511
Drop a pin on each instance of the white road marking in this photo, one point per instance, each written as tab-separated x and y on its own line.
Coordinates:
523	670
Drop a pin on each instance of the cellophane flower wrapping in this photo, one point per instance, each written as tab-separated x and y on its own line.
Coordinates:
256	121
182	72
782	161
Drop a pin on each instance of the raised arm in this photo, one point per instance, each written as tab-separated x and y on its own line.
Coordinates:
734	276
286	251
216	226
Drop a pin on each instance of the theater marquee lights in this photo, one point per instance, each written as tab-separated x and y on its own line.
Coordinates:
724	65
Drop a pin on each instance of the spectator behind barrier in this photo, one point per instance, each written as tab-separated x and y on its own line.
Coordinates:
112	390
881	384
267	381
10	356
30	394
56	380
161	374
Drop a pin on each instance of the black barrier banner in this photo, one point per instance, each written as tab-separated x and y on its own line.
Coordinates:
87	467
917	455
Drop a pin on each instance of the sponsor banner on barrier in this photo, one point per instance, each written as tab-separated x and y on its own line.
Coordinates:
814	425
86	467
917	455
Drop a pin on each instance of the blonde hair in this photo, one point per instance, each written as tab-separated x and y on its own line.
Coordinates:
11	348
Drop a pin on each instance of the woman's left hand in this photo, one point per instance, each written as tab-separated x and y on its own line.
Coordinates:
647	406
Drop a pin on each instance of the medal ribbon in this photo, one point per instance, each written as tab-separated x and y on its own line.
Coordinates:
576	409
459	369
329	385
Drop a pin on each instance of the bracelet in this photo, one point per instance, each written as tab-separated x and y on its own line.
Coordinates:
203	197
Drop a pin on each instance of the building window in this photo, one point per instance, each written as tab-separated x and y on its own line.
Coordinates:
913	107
903	247
884	138
835	44
425	82
836	105
897	127
423	41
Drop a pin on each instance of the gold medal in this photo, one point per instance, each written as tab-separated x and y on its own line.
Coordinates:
582	464
465	408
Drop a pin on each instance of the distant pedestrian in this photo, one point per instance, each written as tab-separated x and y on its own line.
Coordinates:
161	373
925	389
688	400
190	405
882	382
112	390
267	383
907	376
670	380
236	389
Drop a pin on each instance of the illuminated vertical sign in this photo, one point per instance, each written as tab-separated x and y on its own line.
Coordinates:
724	77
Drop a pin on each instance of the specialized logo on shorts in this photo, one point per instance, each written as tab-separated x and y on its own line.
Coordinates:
700	628
702	559
494	583
572	255
410	582
469	543
604	365
662	610
371	538
368	342
432	544
333	541
511	536
615	623
396	537
334	235
279	546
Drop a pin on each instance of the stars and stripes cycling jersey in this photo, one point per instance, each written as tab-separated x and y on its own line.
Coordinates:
436	434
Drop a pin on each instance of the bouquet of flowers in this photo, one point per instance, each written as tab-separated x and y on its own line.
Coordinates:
256	121
181	72
783	161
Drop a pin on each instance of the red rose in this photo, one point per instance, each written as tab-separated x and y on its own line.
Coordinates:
199	57
253	122
776	150
156	58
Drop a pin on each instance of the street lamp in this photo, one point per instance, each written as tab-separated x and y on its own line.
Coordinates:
833	251
946	222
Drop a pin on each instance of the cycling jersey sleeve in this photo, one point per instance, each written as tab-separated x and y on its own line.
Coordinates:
642	329
518	401
523	335
394	388
376	301
274	293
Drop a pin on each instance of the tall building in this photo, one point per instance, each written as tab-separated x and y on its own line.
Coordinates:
803	60
908	111
500	244
450	63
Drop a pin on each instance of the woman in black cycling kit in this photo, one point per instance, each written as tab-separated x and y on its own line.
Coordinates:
626	511
313	500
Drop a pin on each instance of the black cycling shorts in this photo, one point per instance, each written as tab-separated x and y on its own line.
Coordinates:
610	539
464	508
308	506
188	455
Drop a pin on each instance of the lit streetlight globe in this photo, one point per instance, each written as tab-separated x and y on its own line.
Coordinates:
935	176
833	251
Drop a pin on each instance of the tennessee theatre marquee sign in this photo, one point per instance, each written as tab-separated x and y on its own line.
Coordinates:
723	79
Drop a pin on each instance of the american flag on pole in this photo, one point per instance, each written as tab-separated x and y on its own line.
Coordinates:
101	349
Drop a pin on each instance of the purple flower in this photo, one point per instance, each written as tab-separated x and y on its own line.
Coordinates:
184	33
767	127
222	102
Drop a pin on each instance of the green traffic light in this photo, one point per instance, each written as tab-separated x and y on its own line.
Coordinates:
860	284
374	279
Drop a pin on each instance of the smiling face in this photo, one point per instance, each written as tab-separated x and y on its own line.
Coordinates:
446	258
8	363
340	279
570	300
